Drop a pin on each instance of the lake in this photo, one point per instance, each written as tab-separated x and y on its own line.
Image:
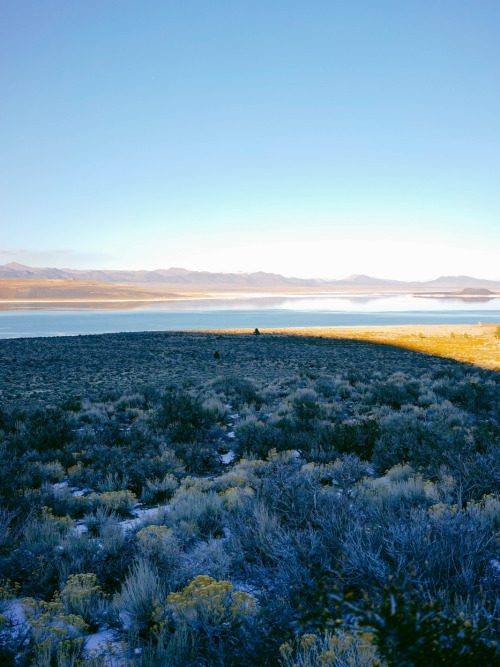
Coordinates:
55	319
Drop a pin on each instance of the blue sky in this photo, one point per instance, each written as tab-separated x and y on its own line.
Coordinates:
307	138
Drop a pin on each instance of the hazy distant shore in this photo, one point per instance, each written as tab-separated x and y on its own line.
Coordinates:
57	291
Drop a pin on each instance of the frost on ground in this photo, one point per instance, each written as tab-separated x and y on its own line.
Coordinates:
141	514
16	615
102	645
80	528
228	458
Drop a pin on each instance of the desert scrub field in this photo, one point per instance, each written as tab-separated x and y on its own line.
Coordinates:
477	344
239	499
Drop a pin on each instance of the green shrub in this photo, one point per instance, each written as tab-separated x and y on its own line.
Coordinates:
305	408
44	431
194	514
182	416
239	390
141	593
160	546
198	457
156	490
358	437
47	530
408	631
71	404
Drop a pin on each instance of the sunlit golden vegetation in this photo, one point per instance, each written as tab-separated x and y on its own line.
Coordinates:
474	344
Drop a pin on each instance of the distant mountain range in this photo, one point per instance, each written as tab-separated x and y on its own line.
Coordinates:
184	279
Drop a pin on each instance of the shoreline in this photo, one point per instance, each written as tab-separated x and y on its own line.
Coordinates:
212	295
252	295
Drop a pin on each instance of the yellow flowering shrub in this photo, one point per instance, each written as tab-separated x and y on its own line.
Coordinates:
233	497
249	468
153	539
488	509
81	595
55	637
153	532
197	484
167	459
212	602
74	472
441	510
160	546
46	530
8	591
231	481
118	501
63	522
53	470
331	650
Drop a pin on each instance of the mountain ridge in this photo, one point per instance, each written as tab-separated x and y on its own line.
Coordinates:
180	277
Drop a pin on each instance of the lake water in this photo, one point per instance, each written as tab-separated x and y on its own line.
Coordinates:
51	319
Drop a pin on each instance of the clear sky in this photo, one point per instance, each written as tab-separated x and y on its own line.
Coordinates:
310	138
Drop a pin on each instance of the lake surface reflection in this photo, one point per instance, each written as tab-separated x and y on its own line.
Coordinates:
55	319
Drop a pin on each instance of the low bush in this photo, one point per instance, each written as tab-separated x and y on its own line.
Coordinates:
409	631
82	596
355	649
140	596
194	514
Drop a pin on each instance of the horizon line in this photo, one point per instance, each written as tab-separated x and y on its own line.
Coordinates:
350	277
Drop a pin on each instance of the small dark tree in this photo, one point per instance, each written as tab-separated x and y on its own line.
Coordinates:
216	354
257	332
